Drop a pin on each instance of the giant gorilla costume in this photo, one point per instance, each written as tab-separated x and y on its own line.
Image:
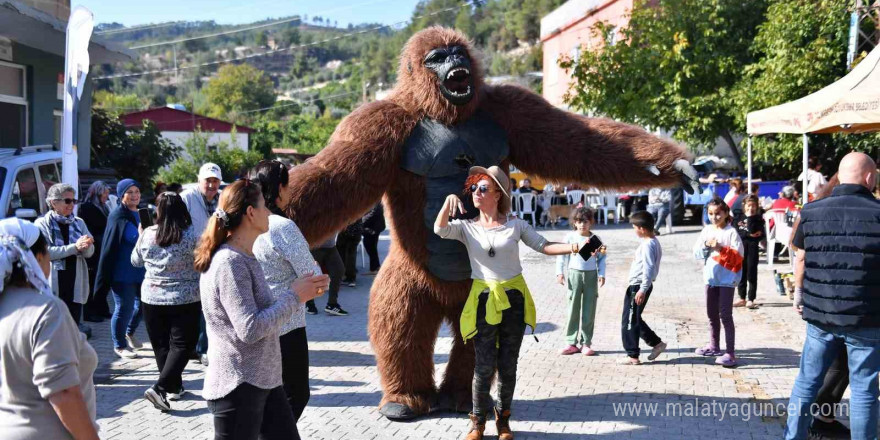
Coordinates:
415	148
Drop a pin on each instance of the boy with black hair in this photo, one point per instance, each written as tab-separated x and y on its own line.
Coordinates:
642	274
750	227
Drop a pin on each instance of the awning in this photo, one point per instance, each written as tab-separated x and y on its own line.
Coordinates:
850	105
37	29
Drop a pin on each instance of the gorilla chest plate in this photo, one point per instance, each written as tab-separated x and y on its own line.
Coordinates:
443	155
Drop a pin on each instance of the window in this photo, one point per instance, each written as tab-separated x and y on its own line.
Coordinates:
24	192
56	123
13	106
575	53
49	175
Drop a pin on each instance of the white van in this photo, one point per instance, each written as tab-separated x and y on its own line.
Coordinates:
25	176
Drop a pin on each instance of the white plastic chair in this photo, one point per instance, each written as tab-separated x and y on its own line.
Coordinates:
780	233
528	205
544	201
363	252
576	196
609	205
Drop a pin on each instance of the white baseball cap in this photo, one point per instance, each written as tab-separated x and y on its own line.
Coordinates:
209	170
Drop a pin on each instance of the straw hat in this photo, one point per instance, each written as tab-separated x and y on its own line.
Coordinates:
501	180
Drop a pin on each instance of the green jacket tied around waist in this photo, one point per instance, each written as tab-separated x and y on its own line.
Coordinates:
496	303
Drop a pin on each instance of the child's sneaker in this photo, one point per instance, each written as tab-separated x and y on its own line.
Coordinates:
708	351
751	305
727	360
739	303
659	348
630	361
587	351
571	349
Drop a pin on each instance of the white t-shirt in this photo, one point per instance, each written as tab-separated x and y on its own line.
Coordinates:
504	240
815	181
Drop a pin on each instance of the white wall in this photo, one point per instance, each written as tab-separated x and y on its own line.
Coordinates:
179	138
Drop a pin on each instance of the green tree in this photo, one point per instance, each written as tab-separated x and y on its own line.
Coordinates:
674	67
237	89
801	48
304	133
119	103
197	150
134	152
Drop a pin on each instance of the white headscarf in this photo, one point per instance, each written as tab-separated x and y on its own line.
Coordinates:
16	238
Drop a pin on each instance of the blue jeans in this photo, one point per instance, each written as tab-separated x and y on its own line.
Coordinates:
202	345
820	348
126	312
659	212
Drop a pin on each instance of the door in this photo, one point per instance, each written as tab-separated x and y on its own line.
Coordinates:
25	192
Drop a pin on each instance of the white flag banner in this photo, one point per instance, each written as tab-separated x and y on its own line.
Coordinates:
76	68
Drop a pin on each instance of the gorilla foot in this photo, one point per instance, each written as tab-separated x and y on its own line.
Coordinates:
404	407
452	401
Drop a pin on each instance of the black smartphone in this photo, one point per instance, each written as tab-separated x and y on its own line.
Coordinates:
146	217
591	246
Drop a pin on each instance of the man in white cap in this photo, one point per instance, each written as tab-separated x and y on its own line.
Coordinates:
201	203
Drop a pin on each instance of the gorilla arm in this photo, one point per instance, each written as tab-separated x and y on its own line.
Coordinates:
349	176
559	145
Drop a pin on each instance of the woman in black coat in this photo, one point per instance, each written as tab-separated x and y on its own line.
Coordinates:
374	224
94	211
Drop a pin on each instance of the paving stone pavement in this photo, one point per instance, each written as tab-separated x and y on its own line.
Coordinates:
557	397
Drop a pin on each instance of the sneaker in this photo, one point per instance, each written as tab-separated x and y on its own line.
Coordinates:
630	361
351	284
157	398
832	429
727	360
659	348
335	310
571	349
178	395
587	351
311	309
739	303
203	359
708	351
751	305
125	353
133	342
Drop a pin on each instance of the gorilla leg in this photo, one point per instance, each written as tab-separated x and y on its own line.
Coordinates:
404	320
455	391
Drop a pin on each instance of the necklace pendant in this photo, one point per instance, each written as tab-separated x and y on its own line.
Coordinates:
491	252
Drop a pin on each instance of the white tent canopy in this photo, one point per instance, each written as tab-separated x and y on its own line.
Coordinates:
849	105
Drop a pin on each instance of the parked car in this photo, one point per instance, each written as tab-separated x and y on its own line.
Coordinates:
25	176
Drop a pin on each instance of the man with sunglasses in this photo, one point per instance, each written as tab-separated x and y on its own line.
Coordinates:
201	203
70	244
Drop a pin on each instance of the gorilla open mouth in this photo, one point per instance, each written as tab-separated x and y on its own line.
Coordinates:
457	85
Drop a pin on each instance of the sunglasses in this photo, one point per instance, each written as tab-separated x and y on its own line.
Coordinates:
483	189
68	201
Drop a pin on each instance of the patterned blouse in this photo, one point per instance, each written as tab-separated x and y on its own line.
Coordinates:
243	321
171	279
284	255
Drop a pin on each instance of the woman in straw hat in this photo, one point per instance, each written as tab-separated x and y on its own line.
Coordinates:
499	305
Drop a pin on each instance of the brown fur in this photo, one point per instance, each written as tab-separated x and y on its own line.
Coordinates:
362	162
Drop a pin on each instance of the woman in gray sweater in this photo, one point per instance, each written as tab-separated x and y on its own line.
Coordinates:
244	320
169	294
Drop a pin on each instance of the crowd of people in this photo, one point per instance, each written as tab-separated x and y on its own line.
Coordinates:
228	267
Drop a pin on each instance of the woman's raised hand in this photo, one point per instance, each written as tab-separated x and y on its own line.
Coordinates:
453	204
310	287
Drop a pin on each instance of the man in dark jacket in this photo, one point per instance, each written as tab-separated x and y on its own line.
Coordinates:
374	224
838	259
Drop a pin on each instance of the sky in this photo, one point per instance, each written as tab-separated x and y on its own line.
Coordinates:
131	13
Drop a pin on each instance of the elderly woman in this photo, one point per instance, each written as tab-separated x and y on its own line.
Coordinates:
47	365
116	271
69	245
94	211
500	305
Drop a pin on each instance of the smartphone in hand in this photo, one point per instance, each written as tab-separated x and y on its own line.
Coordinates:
591	246
146	217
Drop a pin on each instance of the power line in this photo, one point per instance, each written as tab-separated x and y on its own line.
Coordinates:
139	28
270	52
250	28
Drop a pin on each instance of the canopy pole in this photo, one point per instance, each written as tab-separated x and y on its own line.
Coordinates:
806	168
749	143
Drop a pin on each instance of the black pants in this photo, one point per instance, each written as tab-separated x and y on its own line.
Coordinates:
347	247
173	331
331	263
371	244
497	345
66	281
633	326
836	382
248	413
749	282
295	370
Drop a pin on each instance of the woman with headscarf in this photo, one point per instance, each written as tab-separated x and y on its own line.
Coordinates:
47	366
69	245
94	211
116	271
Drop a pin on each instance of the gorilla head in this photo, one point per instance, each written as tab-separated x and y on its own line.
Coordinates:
439	77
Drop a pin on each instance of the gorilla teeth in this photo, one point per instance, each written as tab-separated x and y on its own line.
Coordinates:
465	93
454	71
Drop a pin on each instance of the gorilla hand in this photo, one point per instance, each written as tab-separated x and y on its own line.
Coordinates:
689	180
